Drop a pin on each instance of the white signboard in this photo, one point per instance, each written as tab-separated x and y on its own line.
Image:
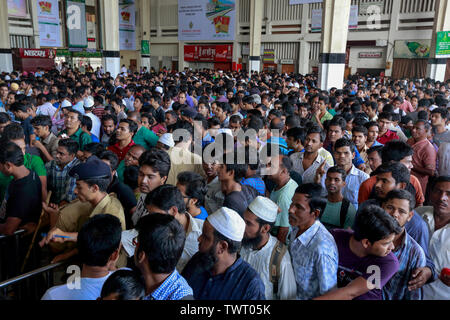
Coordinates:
353	22
316	19
206	20
48	19
127	25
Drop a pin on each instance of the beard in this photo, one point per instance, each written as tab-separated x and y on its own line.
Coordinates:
252	242
205	261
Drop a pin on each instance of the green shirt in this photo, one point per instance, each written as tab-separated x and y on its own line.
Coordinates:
120	171
331	217
332	112
31	162
326	117
146	138
80	136
283	199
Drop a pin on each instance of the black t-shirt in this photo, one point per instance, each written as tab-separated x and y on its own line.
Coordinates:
239	201
125	195
23	199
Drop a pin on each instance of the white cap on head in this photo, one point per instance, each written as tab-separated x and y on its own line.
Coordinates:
167	139
226	131
88	102
228	223
66	104
159	89
264	208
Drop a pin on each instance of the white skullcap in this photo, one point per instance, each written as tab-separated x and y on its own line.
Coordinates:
159	89
66	104
88	102
228	223
226	131
264	208
167	139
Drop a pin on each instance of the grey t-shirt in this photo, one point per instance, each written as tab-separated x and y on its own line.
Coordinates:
438	138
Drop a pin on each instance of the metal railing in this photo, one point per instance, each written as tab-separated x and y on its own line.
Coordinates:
10	254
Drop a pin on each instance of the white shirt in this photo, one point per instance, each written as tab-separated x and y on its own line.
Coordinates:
444	159
96	124
90	289
191	245
353	181
260	261
214	197
309	174
439	250
47	109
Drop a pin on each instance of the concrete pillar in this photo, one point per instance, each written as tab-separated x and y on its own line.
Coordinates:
236	46
305	47
181	63
144	12
6	64
36	36
336	15
437	66
256	17
395	21
109	11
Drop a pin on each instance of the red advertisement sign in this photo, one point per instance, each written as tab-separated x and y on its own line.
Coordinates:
37	53
208	53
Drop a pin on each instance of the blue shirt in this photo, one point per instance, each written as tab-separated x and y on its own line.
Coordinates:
284	149
203	215
95	139
174	287
257	183
79	107
28	129
239	282
314	260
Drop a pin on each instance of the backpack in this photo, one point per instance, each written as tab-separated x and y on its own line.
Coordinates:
278	253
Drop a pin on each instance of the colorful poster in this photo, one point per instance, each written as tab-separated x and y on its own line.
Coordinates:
127	25
353	22
206	20
443	44
48	19
17	8
208	53
412	49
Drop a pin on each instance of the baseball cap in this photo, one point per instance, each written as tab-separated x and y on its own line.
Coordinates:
93	168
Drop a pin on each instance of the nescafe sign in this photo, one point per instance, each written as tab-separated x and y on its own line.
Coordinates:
208	53
37	53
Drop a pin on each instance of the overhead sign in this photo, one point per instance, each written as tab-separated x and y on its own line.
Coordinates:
127	25
316	19
38	53
370	55
145	47
76	23
49	23
269	56
206	20
208	53
17	8
443	44
412	49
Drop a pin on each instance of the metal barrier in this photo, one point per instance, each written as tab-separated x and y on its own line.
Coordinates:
10	254
31	285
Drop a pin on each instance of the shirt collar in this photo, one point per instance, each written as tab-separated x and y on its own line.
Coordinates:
307	236
235	265
162	290
194	225
47	140
353	171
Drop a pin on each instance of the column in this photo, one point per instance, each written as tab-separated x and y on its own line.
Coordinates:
34	18
393	28
336	15
256	17
236	46
145	31
6	64
305	47
437	66
181	63
109	11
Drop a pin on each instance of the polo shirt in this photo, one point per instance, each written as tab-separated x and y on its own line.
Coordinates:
146	138
388	136
121	153
79	136
424	156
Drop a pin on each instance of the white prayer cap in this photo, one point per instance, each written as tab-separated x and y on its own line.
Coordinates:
66	104
88	102
228	223
167	139
226	131
159	89
264	208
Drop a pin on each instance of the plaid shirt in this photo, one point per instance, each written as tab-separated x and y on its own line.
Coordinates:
175	287
410	256
60	183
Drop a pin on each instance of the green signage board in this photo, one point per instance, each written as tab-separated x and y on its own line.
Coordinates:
443	44
63	53
145	47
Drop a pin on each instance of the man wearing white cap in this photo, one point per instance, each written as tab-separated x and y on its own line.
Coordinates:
216	272
96	123
265	253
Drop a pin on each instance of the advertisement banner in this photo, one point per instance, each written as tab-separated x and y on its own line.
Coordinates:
443	44
127	25
145	47
76	23
38	53
353	22
17	8
208	53
48	19
316	19
206	20
412	49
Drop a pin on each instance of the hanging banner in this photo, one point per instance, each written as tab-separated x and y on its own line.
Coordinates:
353	22
208	53
412	49
206	20
294	2
17	8
145	47
443	44
127	25
48	19
316	19
76	23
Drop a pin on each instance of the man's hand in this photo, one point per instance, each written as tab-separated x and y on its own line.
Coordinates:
320	172
55	235
37	144
419	278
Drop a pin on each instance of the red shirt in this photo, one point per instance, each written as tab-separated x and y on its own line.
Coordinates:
121	152
388	136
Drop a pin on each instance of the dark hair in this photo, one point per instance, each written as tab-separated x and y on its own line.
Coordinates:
442	111
439	180
338	122
107	117
233	246
11	152
240	169
86	122
71	146
94	148
374	224
313	192
165	197
132	126
101	183
111	157
316	129
4	117
293	121
337	169
396	150
363	130
79	114
161	237
130	176
425	123
378	149
298	133
195	186
42	121
13	131
399	171
403	195
159	160
126	284
343	142
19	106
98	238
385	116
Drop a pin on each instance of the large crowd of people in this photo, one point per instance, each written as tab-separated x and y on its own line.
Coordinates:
212	185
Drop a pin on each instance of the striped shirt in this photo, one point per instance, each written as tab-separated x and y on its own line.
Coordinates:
257	183
59	181
175	287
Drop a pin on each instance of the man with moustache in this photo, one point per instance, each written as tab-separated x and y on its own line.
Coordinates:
216	272
264	253
131	159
